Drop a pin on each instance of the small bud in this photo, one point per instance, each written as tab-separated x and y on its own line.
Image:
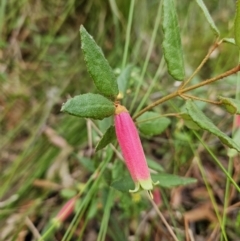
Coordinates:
237	121
132	150
157	196
65	211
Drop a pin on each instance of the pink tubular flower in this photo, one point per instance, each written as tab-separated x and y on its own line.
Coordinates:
132	150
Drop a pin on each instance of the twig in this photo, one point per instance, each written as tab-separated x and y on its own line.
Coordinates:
201	99
216	44
181	91
163	219
209	81
158	102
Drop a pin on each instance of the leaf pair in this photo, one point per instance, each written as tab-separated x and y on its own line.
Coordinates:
97	106
90	105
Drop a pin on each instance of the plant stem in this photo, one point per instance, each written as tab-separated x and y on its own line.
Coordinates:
157	117
152	84
158	102
217	161
106	216
227	196
47	233
211	196
163	219
130	18
181	91
209	81
153	37
216	44
91	188
201	99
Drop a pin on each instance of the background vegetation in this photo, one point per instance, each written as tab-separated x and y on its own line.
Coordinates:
46	157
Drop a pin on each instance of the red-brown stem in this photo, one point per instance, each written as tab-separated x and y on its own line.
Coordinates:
209	81
216	44
201	99
180	92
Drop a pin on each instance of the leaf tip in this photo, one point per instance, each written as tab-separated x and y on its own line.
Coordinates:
62	107
82	28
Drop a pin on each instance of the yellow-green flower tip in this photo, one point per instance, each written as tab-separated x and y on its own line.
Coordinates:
144	184
137	187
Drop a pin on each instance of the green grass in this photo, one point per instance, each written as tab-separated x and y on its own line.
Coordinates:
41	66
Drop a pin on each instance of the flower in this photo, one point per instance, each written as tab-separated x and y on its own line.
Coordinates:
132	150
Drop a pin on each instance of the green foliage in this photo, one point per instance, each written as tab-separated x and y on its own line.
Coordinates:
237	24
231	105
89	106
98	67
123	79
208	17
206	124
172	47
150	123
108	137
236	138
169	180
87	163
123	184
46	156
188	121
68	193
229	40
154	165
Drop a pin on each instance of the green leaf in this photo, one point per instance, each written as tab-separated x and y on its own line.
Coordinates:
154	165
229	40
89	106
123	79
123	184
86	163
203	7
231	105
237	25
68	193
188	120
108	137
236	138
105	124
98	67
172	47
205	123
170	180
151	123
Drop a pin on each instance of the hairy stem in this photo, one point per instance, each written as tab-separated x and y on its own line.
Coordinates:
201	99
181	91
